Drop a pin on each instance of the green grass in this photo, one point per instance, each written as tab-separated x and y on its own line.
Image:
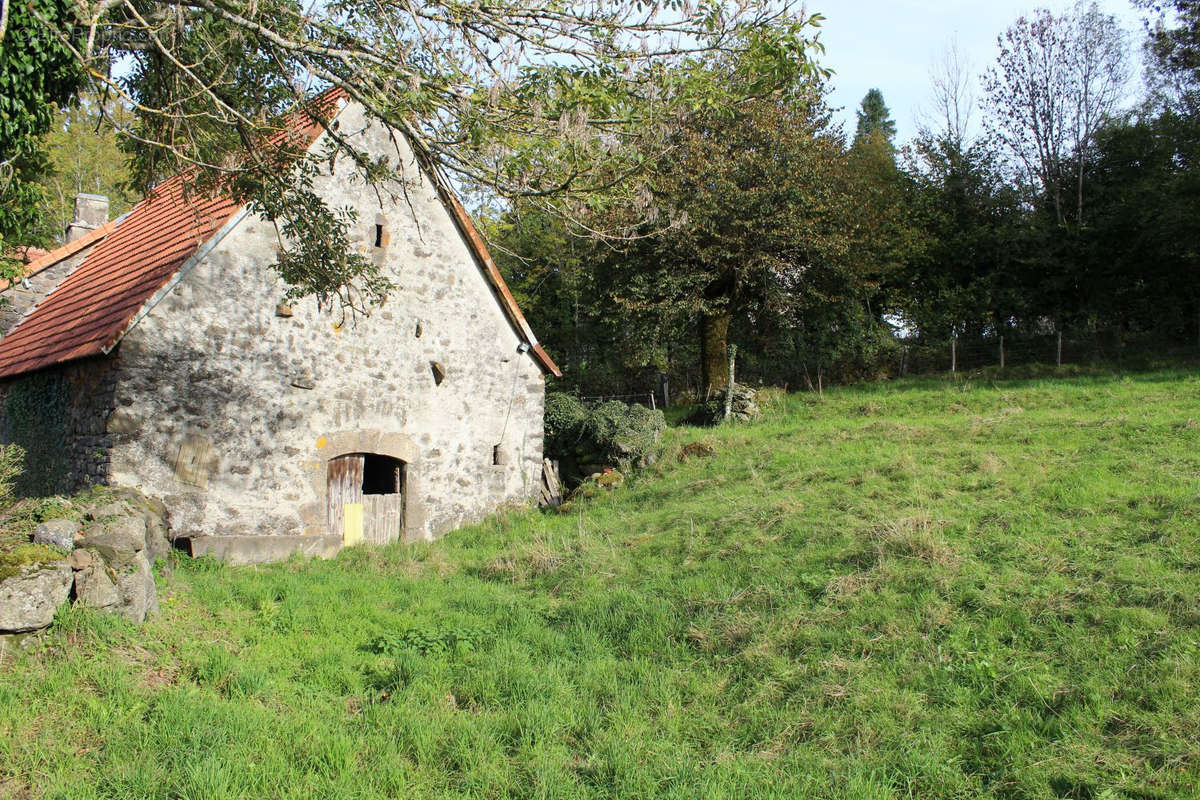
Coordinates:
917	589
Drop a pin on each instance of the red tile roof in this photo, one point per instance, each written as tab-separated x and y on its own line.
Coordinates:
89	312
37	259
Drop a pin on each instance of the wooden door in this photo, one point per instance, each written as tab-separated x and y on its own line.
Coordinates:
383	514
382	518
345	479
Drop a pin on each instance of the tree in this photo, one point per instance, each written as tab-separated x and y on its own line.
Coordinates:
874	120
763	195
1174	51
518	97
969	278
952	100
1139	264
82	156
1057	80
37	73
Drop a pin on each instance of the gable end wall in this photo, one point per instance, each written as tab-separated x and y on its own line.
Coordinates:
258	403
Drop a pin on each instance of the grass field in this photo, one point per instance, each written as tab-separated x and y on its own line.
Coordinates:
917	589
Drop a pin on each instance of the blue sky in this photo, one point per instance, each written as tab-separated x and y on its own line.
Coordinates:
891	44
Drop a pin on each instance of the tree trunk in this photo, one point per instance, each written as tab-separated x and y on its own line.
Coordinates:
714	351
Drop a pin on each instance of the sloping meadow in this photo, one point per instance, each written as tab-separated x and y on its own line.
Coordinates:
916	589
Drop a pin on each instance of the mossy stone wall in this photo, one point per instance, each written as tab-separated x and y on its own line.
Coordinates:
59	416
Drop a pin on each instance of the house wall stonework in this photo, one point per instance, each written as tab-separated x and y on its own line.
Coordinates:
60	417
230	412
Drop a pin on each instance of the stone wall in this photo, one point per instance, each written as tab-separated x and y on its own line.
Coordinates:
60	417
229	406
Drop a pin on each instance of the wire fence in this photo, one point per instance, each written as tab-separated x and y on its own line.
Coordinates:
913	358
963	354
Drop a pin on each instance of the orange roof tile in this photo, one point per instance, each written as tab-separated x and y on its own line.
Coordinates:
92	308
88	312
44	258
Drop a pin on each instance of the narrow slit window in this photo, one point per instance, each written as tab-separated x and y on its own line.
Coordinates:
378	235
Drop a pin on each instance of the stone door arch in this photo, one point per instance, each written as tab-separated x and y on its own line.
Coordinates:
365	498
348	458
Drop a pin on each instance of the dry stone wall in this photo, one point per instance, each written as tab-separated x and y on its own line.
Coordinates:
104	562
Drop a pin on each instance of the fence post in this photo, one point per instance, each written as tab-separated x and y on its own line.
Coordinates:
729	389
652	406
954	354
1058	350
1001	352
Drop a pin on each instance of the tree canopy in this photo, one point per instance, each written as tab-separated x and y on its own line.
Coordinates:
517	99
37	73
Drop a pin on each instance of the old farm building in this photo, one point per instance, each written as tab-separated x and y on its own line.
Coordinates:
152	352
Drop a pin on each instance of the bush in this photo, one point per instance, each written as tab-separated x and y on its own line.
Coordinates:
610	435
628	432
564	418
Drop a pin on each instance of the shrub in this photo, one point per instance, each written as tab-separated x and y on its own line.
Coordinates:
628	433
610	435
563	419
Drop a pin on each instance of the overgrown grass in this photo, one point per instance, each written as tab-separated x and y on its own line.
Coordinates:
917	589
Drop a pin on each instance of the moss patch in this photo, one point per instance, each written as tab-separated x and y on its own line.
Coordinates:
21	557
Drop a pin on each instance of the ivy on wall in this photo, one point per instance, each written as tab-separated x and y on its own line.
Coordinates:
37	412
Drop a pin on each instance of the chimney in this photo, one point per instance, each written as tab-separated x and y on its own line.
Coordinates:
91	211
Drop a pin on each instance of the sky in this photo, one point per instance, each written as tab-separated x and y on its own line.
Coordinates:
892	44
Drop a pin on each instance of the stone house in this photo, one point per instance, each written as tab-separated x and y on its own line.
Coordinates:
153	352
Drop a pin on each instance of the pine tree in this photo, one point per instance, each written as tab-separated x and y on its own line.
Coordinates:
874	120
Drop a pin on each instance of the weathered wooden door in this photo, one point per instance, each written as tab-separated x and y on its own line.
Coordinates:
366	498
383	507
345	494
382	515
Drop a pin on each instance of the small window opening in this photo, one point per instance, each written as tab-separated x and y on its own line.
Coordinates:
499	457
382	474
378	235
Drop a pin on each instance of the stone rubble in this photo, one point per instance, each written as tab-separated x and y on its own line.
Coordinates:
28	601
58	533
108	564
